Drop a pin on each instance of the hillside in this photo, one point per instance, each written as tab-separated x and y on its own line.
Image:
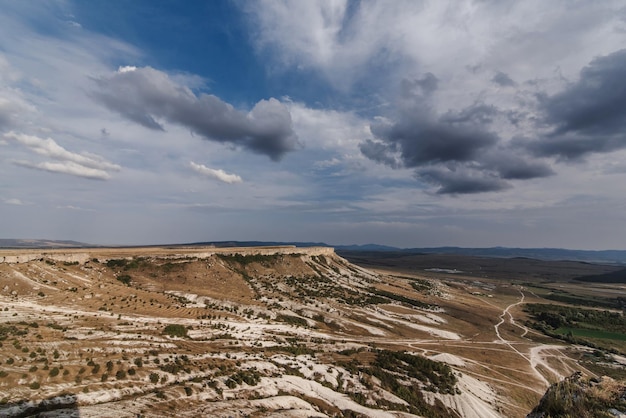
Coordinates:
264	331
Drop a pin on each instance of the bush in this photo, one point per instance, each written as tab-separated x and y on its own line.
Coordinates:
175	330
124	278
34	385
54	372
154	378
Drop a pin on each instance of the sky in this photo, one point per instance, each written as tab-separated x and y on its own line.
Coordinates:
407	123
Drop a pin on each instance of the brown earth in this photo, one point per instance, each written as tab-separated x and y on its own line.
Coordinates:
258	331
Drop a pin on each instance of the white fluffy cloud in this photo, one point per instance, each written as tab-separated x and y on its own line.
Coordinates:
216	174
78	164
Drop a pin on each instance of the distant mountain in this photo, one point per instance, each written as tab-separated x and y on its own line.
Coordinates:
366	247
221	244
603	256
40	243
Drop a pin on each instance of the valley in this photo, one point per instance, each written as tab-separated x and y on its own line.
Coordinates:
279	331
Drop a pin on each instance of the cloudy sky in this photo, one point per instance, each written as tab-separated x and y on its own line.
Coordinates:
407	123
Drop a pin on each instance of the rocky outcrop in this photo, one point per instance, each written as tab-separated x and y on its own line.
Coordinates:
576	396
61	257
104	255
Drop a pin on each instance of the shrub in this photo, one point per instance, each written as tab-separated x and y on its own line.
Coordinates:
54	372
154	378
124	278
175	330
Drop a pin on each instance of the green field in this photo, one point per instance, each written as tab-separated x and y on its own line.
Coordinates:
591	333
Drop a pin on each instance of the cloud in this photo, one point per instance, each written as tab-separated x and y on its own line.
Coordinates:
589	116
380	152
66	167
16	202
463	150
461	180
216	174
8	112
503	80
12	103
146	96
459	151
510	165
596	103
85	165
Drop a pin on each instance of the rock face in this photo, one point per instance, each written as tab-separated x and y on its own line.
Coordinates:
579	397
66	256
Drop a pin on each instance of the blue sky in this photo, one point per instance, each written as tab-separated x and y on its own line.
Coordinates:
406	123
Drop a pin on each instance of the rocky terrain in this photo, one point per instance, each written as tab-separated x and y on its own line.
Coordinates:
261	332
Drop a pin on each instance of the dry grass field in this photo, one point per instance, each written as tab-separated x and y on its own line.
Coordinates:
260	332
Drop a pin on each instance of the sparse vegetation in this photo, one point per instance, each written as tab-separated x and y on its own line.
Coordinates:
124	278
265	319
578	397
175	330
591	327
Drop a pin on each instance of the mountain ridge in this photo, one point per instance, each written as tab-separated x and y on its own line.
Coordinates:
592	256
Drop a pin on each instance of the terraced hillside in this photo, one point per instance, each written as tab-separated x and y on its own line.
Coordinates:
261	332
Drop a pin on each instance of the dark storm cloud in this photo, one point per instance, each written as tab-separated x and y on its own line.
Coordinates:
461	180
589	116
575	147
379	152
422	141
519	169
456	151
146	96
596	104
503	80
511	164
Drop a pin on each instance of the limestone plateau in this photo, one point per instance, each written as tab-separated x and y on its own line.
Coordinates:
265	332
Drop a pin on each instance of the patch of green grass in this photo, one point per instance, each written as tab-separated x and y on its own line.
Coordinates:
591	333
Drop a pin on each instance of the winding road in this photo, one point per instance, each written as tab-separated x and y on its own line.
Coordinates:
537	356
